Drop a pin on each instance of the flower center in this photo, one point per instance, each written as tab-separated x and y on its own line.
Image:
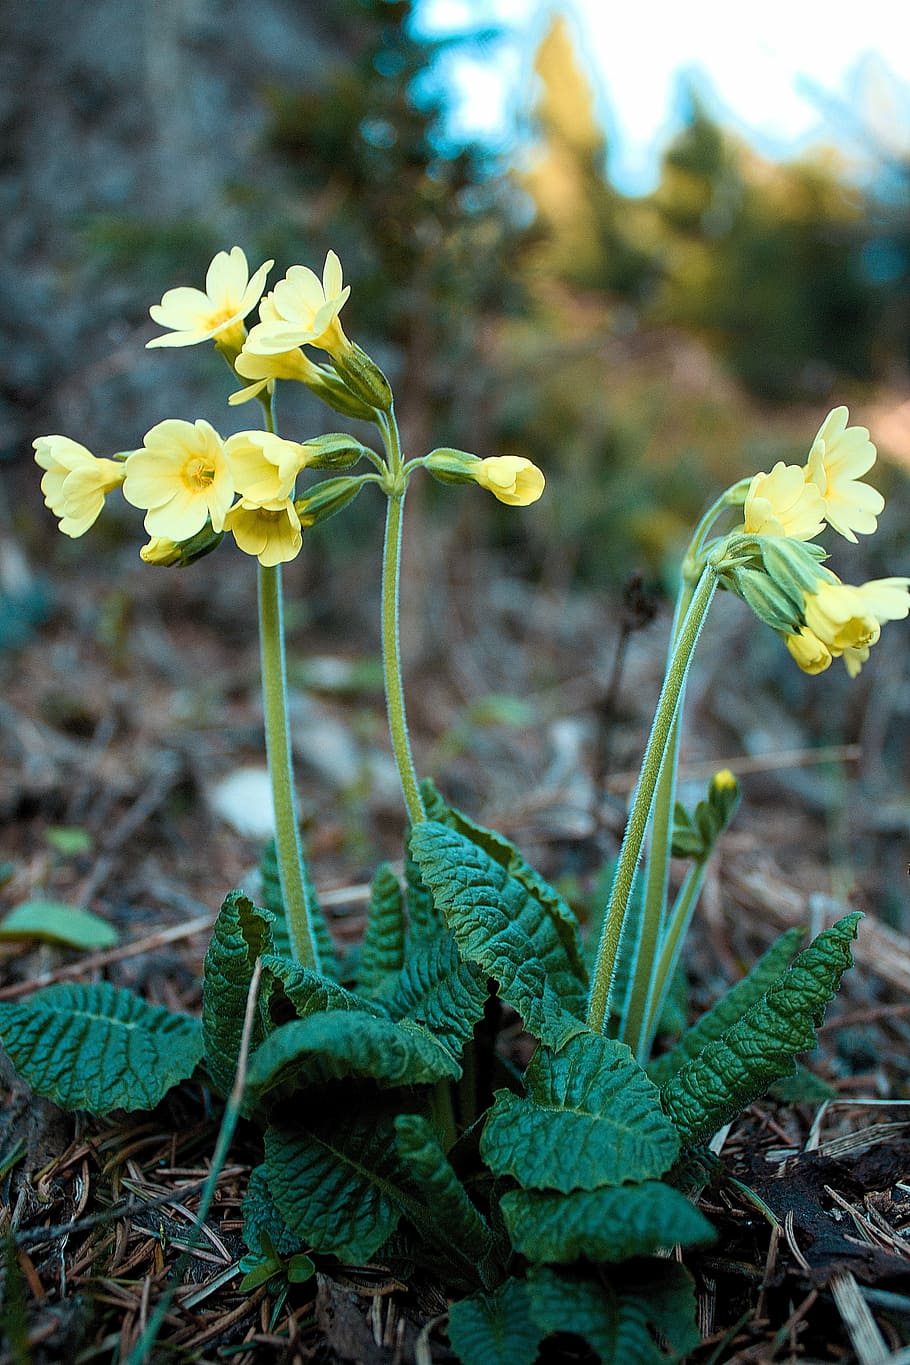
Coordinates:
198	474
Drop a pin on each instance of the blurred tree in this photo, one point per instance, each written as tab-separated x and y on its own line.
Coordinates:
426	231
589	232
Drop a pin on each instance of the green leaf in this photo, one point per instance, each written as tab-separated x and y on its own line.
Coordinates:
274	901
334	1044
730	1007
98	1047
602	1225
340	1186
760	1047
619	1316
501	926
262	1219
68	840
439	989
451	1219
291	991
507	856
591	1118
242	932
495	1328
382	953
56	923
424	920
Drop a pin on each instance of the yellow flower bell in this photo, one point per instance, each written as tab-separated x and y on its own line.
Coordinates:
75	482
217	313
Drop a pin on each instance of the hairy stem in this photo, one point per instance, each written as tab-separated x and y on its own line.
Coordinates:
288	847
391	649
658	740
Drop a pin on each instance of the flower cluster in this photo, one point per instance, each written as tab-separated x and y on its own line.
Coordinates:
193	485
779	573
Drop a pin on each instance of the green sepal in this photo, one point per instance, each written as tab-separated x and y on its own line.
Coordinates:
495	1327
772	604
499	924
273	900
326	499
760	1047
622	1316
335	450
439	989
610	1224
794	565
339	1044
98	1047
382	952
591	1118
242	932
730	1007
363	377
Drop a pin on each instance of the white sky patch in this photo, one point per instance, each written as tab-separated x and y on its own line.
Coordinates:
766	70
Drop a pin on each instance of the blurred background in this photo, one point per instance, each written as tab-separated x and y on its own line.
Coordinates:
650	259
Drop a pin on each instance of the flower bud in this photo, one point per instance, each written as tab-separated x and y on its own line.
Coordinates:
336	450
178	554
362	377
326	499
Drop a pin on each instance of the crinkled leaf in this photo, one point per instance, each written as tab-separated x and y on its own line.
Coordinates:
591	1118
274	901
52	922
260	1216
760	1047
382	953
619	1316
340	1186
602	1225
731	1006
453	1223
499	924
98	1047
507	856
337	1043
439	989
242	933
495	1328
290	991
424	920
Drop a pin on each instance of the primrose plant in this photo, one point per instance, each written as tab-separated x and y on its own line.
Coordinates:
394	1129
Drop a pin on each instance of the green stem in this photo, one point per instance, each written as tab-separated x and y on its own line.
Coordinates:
288	847
657	866
395	488
391	660
665	965
658	740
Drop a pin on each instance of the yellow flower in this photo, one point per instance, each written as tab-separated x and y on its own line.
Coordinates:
75	482
218	312
839	456
268	530
782	503
305	312
812	655
511	479
264	466
847	620
182	476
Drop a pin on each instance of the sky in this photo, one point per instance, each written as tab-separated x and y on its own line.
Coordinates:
786	74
